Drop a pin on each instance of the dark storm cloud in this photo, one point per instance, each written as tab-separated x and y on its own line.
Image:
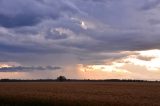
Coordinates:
150	4
87	30
35	48
21	20
28	69
31	12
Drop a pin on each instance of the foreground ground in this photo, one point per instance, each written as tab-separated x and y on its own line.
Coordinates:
79	94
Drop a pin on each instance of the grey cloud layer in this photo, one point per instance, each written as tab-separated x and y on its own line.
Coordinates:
28	69
90	30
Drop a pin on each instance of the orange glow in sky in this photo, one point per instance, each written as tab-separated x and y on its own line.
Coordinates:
4	65
131	66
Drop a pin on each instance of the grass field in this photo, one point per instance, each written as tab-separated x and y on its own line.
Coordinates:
79	94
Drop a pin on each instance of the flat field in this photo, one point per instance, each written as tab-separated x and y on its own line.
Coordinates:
79	94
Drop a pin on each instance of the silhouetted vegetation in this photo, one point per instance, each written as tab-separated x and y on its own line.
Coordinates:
61	78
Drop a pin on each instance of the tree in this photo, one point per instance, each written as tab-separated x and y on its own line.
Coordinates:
61	78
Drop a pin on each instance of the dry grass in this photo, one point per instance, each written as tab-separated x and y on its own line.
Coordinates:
79	94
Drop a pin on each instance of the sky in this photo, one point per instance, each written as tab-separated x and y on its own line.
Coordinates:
80	39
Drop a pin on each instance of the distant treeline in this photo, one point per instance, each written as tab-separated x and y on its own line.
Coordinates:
74	80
